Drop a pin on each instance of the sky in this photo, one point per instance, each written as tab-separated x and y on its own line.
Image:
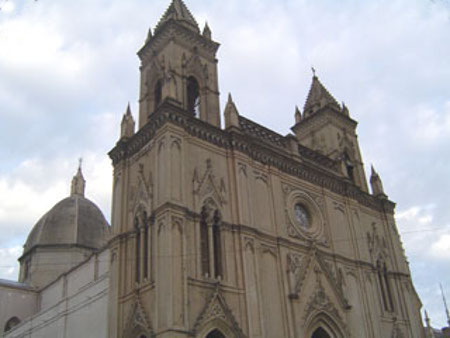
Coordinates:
69	68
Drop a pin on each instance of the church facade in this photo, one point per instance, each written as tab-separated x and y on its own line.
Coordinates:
233	231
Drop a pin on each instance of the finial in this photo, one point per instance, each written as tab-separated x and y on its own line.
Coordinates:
313	71
207	31
78	181
128	112
445	305
374	173
298	115
231	114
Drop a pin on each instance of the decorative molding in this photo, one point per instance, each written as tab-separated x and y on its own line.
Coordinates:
249	243
216	308
209	185
264	153
318	303
142	194
377	244
137	319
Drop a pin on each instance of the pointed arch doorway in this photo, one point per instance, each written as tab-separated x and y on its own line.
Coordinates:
215	334
320	333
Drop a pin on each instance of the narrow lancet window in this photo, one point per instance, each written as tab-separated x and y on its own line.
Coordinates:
146	244
193	96
204	243
217	246
138	250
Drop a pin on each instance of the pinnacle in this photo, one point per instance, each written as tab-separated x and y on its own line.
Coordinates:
318	97
128	112
178	11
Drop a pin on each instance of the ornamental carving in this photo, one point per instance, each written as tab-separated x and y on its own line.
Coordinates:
377	244
141	194
216	308
318	303
208	185
137	320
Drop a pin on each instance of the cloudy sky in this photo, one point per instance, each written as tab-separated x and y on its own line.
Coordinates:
68	69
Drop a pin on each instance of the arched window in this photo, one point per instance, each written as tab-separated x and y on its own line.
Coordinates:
215	334
157	94
350	167
210	241
383	280
14	321
320	333
204	242
146	242
193	96
217	245
138	249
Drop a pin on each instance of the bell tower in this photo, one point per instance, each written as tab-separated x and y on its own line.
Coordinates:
178	63
326	126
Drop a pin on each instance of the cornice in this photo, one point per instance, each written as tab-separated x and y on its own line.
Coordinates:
264	153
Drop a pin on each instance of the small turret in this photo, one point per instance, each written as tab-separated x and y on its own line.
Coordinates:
149	35
231	114
78	182
207	31
298	115
376	184
127	125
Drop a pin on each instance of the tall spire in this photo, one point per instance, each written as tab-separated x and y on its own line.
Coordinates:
179	12
78	182
318	97
445	305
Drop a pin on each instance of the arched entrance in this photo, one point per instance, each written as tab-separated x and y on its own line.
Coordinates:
320	333
215	334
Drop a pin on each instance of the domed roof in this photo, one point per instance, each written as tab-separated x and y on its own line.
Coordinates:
74	221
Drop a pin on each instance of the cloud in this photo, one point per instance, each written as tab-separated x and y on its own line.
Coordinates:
9	267
66	79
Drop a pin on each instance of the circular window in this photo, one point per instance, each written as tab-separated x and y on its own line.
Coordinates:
302	216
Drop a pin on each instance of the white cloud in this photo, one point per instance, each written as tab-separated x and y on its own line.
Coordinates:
441	248
9	267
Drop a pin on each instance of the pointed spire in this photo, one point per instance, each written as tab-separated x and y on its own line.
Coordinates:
127	125
344	109
318	97
298	115
376	184
445	305
207	31
179	12
149	35
78	182
231	114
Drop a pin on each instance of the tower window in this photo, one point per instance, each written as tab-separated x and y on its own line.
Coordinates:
193	96
217	246
138	250
146	242
350	167
157	93
204	243
210	242
385	286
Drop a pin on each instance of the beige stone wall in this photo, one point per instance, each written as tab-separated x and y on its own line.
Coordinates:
74	305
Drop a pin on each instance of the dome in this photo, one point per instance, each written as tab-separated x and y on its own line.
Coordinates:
74	221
